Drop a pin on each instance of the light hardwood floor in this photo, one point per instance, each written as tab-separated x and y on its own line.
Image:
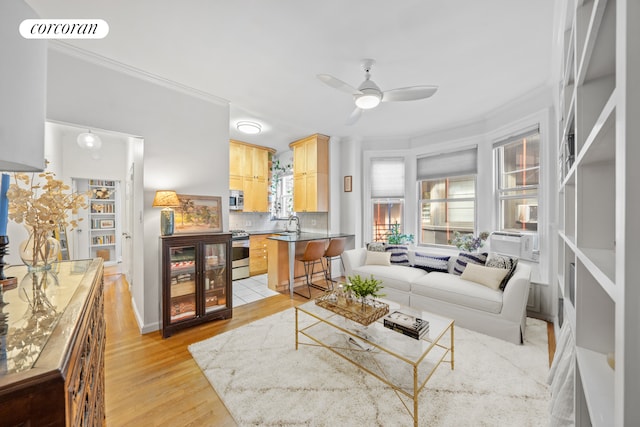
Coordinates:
152	381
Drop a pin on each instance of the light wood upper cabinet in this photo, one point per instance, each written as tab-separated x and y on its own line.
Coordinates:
311	174
249	171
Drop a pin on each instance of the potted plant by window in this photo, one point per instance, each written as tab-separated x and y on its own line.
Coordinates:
395	237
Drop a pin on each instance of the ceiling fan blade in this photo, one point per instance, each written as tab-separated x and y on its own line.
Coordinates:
354	117
408	93
338	84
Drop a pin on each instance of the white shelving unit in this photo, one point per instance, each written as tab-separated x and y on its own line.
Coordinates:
597	209
102	220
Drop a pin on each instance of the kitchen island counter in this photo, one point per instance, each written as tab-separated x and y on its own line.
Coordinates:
282	253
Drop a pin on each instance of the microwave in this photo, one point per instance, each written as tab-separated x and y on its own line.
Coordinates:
236	200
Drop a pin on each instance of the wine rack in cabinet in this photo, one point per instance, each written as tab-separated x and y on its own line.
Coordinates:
196	280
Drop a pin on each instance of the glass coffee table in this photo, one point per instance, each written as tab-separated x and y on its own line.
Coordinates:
403	363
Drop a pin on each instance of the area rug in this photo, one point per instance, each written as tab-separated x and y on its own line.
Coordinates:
264	381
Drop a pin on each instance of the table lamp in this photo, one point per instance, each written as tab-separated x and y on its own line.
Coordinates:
166	199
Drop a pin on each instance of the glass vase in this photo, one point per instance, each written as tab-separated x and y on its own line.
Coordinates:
39	251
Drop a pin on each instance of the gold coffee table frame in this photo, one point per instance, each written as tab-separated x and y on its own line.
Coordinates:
375	349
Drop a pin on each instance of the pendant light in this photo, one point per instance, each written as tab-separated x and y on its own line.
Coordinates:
89	141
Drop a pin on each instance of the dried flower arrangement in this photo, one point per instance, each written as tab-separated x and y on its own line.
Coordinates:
42	207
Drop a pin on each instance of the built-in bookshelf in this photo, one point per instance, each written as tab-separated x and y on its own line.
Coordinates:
595	179
103	220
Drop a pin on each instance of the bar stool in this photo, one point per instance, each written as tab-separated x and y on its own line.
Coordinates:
313	253
334	250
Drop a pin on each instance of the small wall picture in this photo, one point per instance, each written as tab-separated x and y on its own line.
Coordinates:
198	214
107	223
348	183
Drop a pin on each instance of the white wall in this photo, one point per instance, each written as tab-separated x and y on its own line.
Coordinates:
186	138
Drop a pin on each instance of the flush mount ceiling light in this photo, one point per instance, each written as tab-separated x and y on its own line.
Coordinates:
89	141
251	128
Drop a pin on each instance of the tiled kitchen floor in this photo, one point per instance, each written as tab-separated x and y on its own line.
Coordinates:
251	289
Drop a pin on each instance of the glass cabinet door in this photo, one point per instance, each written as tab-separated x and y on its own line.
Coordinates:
183	283
215	276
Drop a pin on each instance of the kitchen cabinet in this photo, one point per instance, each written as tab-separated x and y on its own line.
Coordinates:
249	167
196	280
258	254
311	174
52	346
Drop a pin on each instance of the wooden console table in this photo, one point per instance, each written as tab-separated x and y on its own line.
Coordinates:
52	342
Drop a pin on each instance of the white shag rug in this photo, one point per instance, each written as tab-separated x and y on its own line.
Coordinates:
264	381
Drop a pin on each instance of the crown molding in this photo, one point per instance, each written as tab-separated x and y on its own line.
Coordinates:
120	67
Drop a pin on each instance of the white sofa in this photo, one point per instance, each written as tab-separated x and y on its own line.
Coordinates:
473	306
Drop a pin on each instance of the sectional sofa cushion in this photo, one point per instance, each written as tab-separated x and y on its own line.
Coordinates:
399	254
455	290
394	276
378	258
431	263
503	261
468	257
491	277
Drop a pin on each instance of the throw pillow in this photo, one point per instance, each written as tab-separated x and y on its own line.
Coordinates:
465	258
378	258
488	276
376	247
432	263
399	254
503	261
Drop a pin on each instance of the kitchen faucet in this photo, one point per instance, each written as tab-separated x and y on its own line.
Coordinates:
291	218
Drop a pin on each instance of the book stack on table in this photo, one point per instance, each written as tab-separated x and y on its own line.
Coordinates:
406	324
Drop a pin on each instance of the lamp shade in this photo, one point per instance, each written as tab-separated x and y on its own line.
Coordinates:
166	199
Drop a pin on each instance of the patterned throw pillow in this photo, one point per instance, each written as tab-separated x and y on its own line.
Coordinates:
432	263
468	257
376	247
503	261
399	254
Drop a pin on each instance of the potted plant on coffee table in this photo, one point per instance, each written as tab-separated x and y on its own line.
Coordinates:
362	288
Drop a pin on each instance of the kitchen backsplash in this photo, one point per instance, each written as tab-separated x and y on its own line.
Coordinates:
311	222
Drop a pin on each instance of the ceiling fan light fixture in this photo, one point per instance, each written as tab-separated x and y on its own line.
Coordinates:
368	101
89	141
251	128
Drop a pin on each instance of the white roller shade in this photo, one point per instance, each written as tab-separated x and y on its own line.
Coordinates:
387	177
456	163
525	133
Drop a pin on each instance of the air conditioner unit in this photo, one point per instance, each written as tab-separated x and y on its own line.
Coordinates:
512	244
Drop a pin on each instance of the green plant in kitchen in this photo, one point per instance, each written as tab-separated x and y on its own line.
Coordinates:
362	288
395	237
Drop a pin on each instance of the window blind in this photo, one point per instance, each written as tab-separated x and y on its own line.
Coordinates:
387	177
535	130
455	163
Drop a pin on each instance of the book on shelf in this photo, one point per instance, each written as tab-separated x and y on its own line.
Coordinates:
406	324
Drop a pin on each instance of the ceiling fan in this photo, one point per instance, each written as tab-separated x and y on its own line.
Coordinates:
368	95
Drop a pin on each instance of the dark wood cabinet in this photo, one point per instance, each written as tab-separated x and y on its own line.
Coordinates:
196	280
52	343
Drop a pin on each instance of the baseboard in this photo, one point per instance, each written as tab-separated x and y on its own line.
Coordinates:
144	329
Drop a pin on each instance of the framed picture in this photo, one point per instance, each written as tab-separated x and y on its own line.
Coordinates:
107	223
197	214
348	184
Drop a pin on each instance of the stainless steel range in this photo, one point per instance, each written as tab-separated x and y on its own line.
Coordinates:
239	254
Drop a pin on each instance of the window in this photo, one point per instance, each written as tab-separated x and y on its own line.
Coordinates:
518	180
447	199
387	196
